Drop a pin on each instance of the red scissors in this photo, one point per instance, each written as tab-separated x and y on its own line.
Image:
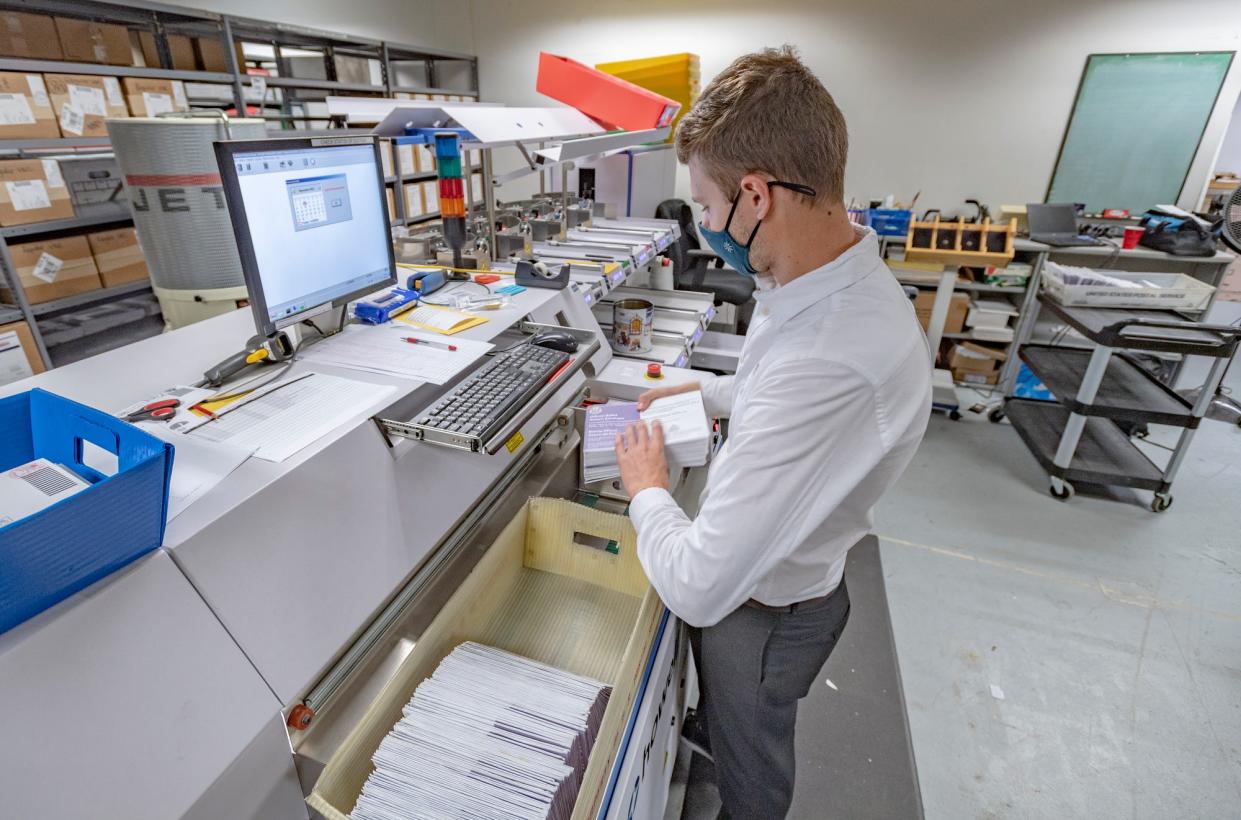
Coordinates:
161	410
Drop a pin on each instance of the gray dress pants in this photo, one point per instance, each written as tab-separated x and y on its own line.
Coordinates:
753	667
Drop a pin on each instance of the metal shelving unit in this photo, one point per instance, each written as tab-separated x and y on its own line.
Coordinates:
334	58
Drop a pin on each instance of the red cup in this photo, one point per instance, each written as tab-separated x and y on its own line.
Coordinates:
1132	235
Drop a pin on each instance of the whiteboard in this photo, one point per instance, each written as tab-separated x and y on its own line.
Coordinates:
1135	127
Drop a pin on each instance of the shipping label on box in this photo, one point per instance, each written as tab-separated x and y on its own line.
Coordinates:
118	256
150	98
25	108
32	36
82	103
19	357
53	268
87	41
32	191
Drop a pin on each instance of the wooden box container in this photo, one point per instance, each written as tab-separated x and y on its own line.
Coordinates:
976	244
540	593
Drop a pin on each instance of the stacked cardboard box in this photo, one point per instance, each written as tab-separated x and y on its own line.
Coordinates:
33	190
32	36
118	257
149	98
83	102
53	269
975	364
25	108
86	41
19	357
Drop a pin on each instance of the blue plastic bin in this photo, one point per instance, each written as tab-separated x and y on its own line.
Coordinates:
48	556
890	222
1028	386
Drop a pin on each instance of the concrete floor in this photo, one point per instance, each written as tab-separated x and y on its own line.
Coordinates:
1113	634
1078	659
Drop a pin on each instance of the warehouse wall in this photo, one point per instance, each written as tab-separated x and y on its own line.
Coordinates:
958	98
1230	150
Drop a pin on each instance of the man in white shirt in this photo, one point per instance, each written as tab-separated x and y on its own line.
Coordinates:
829	403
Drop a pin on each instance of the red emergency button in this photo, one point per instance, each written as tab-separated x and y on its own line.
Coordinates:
654	371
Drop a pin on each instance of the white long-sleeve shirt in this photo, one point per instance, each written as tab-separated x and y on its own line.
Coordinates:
830	400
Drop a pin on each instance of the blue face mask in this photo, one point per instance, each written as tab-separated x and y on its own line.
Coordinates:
734	254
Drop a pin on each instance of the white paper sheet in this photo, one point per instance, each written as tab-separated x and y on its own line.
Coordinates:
197	466
28	194
383	349
285	420
87	100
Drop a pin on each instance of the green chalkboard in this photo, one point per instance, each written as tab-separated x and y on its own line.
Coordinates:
1135	128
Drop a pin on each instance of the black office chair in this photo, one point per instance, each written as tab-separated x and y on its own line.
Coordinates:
698	269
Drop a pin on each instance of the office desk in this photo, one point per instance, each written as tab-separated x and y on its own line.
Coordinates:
295	558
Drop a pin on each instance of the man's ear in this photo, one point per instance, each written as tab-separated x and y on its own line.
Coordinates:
754	189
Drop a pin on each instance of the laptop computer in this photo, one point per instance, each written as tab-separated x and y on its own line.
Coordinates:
1056	224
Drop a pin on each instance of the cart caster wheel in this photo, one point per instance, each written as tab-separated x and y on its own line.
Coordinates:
1065	493
955	415
1160	502
996	415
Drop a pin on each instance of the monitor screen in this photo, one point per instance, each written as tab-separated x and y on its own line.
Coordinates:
312	226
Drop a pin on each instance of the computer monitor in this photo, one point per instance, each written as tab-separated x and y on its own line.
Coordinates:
311	221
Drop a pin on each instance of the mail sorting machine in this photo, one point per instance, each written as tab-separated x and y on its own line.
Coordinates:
306	583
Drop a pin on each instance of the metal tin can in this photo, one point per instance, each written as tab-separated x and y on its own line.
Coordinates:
632	325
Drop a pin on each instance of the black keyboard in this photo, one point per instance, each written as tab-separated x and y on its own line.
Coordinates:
479	406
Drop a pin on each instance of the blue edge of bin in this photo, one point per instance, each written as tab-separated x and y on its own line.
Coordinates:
48	556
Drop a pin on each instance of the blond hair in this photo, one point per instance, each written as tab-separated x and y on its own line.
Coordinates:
768	113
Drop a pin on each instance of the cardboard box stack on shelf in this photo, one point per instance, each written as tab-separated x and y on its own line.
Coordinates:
118	256
88	41
83	102
958	308
975	364
180	47
53	269
25	108
149	98
33	190
32	36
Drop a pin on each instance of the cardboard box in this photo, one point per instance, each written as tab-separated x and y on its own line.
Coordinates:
613	102
29	35
975	358
211	56
957	310
414	205
32	190
391	203
385	157
87	41
404	156
19	357
82	102
25	108
180	47
118	256
95	185
53	269
975	376
147	98
430	197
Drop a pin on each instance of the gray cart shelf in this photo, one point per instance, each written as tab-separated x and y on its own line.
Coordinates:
1079	437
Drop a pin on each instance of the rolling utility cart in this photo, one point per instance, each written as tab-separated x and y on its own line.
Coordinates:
1079	437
